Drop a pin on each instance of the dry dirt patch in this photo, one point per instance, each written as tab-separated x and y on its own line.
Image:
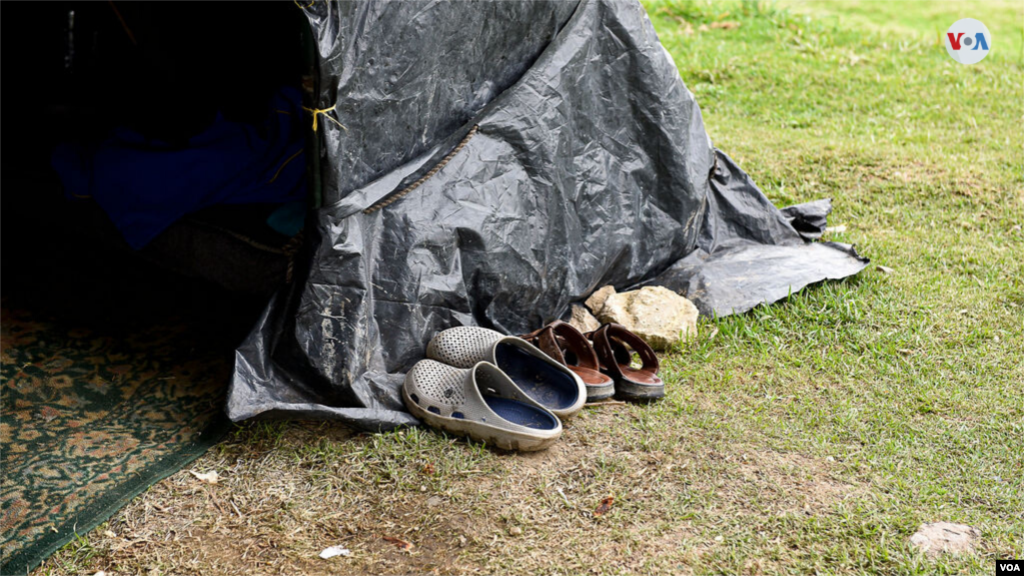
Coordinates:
796	482
282	499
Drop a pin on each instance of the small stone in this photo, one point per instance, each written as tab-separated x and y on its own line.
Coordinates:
109	534
830	459
583	320
515	531
719	538
945	538
658	315
434	501
597	299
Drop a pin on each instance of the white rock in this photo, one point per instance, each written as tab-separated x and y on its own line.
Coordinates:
583	320
658	315
597	299
945	538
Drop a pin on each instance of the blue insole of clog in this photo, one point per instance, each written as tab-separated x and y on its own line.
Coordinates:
521	413
543	382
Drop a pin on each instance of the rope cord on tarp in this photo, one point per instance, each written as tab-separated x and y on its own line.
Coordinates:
437	168
291	250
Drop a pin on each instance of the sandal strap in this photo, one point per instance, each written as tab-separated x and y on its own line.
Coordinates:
547	342
605	353
569	338
610	343
557	337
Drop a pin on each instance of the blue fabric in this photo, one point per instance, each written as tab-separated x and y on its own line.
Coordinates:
144	186
289	218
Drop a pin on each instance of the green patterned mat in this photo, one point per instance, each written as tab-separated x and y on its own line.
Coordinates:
91	418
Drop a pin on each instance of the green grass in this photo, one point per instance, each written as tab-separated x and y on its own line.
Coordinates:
809	437
912	381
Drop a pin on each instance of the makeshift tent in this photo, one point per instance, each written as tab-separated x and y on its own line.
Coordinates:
489	164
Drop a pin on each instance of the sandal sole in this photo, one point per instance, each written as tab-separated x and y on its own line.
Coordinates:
595	393
639	392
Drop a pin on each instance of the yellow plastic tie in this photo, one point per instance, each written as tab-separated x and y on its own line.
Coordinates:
301	6
317	112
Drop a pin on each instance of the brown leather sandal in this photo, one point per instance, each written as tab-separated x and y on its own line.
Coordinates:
567	345
610	344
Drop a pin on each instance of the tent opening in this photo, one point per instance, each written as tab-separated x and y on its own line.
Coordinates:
153	157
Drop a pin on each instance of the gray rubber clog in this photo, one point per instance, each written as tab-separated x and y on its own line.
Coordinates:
480	402
538	375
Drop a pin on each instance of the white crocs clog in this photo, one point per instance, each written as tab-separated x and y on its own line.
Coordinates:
480	402
538	375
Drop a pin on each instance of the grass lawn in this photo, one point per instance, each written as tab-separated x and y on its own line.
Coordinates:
809	437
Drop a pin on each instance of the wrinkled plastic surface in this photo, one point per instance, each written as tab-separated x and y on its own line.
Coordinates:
590	166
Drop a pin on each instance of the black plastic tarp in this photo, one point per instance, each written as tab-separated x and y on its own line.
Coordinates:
500	161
